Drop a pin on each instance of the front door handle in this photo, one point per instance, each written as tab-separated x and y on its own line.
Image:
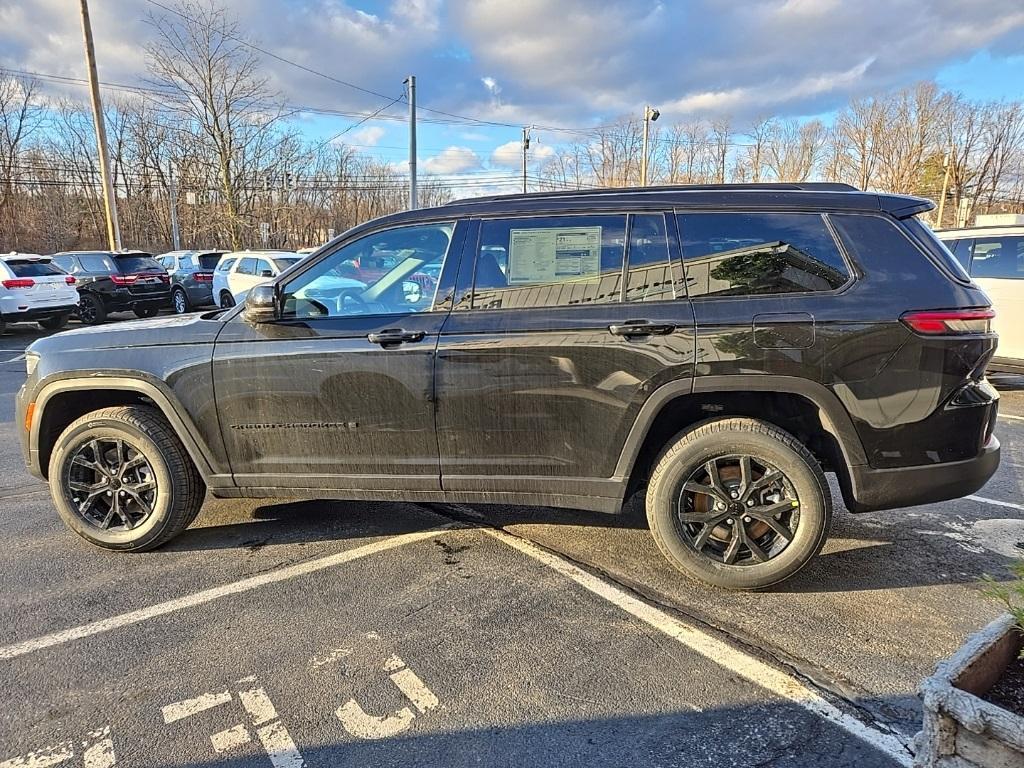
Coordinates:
641	328
392	337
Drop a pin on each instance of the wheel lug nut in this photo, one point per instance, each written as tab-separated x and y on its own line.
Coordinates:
746	519
109	493
750	502
734	495
729	521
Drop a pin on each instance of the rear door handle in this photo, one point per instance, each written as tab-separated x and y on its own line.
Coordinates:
641	328
392	337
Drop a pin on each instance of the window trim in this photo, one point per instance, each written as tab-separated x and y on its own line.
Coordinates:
853	272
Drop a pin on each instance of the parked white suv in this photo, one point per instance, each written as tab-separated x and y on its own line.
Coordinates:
239	271
33	289
994	257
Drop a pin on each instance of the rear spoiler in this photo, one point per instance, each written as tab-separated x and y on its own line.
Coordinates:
904	206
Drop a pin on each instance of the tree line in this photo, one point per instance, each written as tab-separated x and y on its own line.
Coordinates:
209	136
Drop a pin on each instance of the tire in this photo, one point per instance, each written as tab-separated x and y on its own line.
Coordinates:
173	501
799	503
179	301
226	300
91	310
54	323
3	326
144	312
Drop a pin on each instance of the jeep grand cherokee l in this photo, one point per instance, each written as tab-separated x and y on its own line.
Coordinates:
718	348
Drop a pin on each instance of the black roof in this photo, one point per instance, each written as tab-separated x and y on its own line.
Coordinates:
816	196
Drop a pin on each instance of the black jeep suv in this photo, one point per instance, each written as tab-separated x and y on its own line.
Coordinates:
721	348
116	281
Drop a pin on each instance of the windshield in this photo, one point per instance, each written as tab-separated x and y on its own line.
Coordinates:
132	264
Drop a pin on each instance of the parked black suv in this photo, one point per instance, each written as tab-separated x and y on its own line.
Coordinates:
116	281
720	347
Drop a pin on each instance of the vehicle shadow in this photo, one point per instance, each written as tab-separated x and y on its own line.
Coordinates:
771	733
881	551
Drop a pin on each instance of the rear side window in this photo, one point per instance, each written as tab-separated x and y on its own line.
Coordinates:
649	272
91	263
246	266
132	264
225	266
66	263
998	257
33	269
750	254
556	261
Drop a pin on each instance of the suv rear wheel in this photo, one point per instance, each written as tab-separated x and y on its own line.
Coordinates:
91	310
121	479
180	301
738	503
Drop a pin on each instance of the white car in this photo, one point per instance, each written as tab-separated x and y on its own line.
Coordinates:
239	271
33	289
994	258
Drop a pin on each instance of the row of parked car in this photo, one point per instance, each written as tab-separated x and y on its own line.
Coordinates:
90	285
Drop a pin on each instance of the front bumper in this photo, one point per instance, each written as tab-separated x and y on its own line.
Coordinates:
873	489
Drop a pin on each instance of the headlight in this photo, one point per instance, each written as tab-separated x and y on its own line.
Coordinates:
31	361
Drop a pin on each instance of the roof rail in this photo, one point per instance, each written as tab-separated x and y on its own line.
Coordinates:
805	186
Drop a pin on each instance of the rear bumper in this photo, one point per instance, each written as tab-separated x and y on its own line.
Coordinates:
199	294
38	313
874	489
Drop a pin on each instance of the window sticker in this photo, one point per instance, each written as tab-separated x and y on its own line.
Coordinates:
545	255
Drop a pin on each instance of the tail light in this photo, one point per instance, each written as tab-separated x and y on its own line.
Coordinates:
123	279
203	277
19	282
70	279
950	322
164	278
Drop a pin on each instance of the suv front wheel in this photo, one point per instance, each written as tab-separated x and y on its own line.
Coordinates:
738	503
121	479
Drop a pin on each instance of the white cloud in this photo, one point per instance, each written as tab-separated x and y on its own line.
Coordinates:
510	154
452	160
369	136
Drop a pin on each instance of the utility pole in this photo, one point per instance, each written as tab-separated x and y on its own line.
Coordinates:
172	193
945	187
411	82
650	115
526	146
109	201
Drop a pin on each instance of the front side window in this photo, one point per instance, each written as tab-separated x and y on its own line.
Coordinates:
750	254
998	257
393	272
556	261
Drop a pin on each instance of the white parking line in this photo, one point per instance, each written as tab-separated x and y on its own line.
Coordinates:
1011	417
736	661
996	502
215	593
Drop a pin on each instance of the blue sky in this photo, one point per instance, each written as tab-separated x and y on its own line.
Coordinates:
567	63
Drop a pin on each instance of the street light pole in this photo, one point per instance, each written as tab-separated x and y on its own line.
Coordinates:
526	146
411	82
172	193
109	201
945	187
650	115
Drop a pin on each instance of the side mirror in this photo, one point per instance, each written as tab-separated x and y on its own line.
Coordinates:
266	273
260	304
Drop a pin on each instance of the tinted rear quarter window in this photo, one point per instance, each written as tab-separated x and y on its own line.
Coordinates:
33	269
750	254
882	246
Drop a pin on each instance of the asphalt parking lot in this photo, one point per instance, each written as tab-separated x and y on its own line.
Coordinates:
353	633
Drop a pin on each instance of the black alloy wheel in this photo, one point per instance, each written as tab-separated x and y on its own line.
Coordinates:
738	510
111	484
